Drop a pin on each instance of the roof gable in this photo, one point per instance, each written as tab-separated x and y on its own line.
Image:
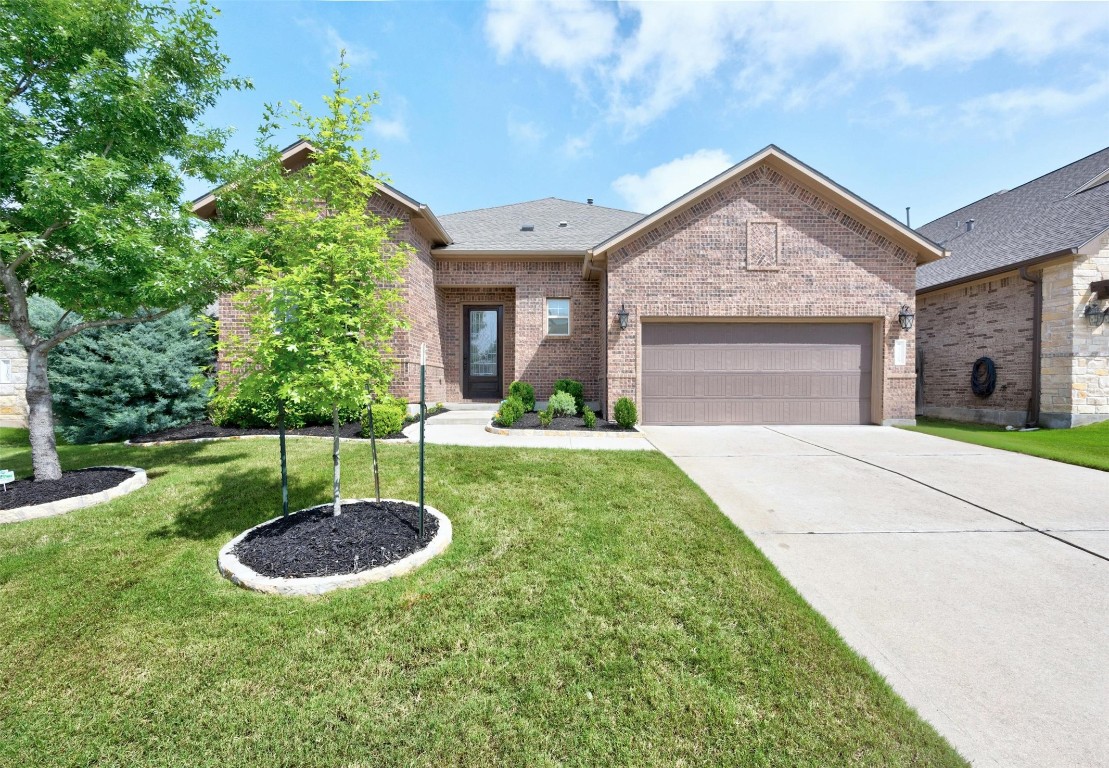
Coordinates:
844	203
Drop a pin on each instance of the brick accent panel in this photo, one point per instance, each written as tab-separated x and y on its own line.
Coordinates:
956	326
537	358
829	266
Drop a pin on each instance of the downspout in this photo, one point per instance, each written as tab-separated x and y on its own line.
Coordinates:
1033	419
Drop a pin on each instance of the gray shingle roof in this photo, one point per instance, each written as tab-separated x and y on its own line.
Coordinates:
1044	216
499	229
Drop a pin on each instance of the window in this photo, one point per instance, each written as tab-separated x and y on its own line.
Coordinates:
558	317
5	371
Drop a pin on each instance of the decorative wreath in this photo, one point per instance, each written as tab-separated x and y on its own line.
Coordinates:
983	377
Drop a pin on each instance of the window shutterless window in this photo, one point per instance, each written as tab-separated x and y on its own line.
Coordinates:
558	317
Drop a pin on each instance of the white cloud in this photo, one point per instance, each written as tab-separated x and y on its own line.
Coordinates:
645	57
671	180
386	128
578	146
525	132
331	43
1005	111
561	35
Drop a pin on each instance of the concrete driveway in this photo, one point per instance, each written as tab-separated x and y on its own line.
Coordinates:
935	560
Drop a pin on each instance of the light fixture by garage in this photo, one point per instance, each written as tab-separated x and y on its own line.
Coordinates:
622	316
906	317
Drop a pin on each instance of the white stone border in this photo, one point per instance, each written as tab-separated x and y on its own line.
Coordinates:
365	440
586	433
61	506
239	573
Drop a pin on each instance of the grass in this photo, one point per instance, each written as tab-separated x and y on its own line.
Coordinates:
1085	446
594	609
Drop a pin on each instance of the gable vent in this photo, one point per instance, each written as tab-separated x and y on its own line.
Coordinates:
527	227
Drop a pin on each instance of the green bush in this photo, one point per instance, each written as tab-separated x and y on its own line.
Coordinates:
561	404
526	393
626	415
575	389
388	417
511	411
589	418
117	382
237	410
545	418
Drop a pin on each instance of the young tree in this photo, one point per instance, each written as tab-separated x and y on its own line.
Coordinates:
99	102
324	306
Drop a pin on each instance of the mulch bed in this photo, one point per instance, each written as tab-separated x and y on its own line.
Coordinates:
531	421
26	493
316	543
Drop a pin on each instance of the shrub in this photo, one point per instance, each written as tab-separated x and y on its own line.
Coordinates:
561	404
589	418
545	418
388	416
238	410
511	411
526	393
626	415
117	382
575	389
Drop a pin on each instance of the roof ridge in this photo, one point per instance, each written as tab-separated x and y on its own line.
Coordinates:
1027	183
540	200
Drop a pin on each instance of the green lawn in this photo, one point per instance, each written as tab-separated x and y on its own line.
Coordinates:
594	609
1086	446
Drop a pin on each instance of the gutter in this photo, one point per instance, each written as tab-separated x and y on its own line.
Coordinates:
1033	419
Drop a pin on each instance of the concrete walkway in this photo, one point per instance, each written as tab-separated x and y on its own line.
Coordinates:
467	427
972	579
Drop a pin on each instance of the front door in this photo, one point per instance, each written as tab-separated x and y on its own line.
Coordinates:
481	353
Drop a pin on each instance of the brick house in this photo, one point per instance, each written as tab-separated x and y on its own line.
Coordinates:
769	294
1024	285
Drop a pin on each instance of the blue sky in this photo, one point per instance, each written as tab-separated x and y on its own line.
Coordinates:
930	105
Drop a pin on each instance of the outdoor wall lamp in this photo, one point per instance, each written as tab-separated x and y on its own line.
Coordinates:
906	317
622	316
1093	315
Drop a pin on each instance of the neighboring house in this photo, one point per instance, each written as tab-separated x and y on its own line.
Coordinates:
769	294
13	380
1025	285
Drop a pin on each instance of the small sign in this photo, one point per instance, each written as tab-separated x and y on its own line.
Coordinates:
6	476
900	351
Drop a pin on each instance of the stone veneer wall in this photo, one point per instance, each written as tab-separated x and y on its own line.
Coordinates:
1075	361
523	287
826	265
13	396
956	326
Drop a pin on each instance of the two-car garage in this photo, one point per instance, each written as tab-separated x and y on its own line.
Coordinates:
757	372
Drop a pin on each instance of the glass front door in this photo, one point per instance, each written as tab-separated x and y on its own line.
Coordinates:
481	354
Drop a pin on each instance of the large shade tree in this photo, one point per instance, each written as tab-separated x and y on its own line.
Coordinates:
323	306
99	108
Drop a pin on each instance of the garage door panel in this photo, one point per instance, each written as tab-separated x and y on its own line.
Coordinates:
756	373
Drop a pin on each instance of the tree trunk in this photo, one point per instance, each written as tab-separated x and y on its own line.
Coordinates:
44	450
335	457
284	458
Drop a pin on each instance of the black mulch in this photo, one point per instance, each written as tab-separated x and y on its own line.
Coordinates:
531	421
316	543
25	493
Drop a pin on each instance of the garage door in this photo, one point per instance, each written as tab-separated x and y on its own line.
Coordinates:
756	373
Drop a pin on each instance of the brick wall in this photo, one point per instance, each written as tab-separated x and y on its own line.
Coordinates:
956	326
537	358
827	264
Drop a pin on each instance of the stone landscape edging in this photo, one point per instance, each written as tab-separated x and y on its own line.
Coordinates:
62	506
587	433
365	440
237	572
